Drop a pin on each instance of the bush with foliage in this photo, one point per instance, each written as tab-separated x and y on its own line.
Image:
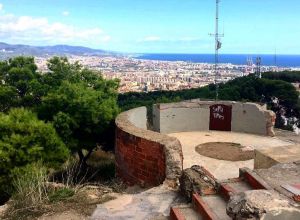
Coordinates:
25	139
81	104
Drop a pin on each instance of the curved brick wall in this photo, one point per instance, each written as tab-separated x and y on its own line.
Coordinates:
145	157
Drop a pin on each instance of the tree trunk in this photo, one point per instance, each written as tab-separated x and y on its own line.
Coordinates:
83	158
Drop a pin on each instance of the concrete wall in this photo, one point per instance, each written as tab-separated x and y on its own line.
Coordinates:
138	117
195	116
250	118
145	157
181	117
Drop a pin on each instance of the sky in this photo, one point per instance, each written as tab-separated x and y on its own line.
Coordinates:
154	26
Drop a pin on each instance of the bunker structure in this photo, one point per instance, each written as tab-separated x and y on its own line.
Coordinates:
160	147
147	156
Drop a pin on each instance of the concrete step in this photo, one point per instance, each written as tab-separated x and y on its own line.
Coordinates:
217	205
184	212
240	186
202	208
255	181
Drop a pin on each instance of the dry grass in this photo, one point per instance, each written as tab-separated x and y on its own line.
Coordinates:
76	190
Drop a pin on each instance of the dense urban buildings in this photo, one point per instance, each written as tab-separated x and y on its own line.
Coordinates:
138	75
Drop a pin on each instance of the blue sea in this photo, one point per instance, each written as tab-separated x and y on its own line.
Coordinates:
238	59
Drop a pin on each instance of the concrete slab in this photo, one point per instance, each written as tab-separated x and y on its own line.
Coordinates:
219	168
240	186
266	158
281	174
218	206
151	204
189	213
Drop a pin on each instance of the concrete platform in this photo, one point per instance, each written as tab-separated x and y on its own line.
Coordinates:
219	168
266	158
152	204
279	175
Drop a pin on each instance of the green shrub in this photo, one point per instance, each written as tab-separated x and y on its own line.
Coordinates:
24	140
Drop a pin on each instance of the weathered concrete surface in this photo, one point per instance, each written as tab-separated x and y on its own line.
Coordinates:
181	117
134	152
287	136
194	115
218	206
150	204
195	180
266	158
279	175
138	117
189	212
256	204
219	168
252	118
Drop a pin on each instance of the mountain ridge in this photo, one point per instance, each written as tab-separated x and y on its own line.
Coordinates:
11	50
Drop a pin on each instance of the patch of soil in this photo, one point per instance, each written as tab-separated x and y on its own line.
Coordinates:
225	151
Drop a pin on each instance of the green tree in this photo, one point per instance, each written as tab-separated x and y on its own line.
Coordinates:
19	83
81	104
25	139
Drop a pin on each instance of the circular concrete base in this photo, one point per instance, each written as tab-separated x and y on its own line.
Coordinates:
225	151
222	169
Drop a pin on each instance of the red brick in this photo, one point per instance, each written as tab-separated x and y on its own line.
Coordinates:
138	149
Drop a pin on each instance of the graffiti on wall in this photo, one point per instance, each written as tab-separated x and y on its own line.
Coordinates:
220	117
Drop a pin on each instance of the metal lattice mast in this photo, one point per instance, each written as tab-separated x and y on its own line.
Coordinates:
218	45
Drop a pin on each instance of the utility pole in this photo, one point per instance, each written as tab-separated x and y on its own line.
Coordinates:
218	46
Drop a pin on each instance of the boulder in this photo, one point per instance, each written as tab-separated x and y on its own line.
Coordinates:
196	180
255	204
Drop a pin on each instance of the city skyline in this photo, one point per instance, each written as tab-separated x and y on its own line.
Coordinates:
170	26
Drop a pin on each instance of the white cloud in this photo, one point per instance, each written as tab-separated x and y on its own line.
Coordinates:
26	29
1	7
65	13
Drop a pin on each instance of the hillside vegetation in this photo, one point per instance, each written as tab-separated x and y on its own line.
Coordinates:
52	118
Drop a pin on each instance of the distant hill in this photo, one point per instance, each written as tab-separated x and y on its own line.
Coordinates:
10	50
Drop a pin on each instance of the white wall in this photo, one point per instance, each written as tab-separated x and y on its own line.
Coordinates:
138	117
248	118
181	118
195	116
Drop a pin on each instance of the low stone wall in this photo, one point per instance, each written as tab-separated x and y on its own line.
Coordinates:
145	157
195	116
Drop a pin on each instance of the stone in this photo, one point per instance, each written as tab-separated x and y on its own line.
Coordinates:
255	204
3	209
196	180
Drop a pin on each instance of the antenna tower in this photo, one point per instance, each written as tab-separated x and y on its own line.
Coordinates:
218	46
